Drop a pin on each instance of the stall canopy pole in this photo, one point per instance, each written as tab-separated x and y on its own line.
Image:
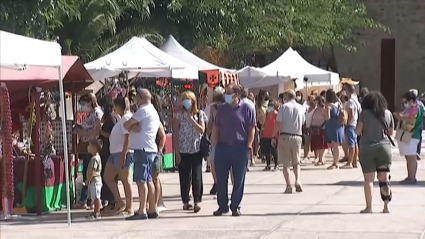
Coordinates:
65	146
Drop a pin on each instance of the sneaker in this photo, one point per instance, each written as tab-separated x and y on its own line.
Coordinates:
276	168
236	213
137	216
408	181
161	207
219	213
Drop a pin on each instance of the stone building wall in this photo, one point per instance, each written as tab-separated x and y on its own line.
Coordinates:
406	21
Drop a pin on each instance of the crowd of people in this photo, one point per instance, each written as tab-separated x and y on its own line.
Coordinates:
234	130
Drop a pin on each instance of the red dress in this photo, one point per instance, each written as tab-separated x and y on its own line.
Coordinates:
317	131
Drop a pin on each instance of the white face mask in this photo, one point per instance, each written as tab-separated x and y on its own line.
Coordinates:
298	97
406	105
85	108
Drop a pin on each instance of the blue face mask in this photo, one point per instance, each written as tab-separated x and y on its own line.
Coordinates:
187	103
228	98
270	108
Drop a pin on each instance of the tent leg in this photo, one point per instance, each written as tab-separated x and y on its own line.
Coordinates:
65	146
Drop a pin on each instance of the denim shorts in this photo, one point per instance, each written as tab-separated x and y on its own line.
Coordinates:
115	160
350	136
143	165
95	189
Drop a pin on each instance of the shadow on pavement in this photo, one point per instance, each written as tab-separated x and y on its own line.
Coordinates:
340	183
360	183
79	217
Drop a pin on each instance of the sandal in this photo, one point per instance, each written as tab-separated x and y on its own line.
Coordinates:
347	166
93	216
187	207
127	212
319	163
288	190
333	166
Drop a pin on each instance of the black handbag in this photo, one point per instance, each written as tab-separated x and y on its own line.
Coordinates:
205	145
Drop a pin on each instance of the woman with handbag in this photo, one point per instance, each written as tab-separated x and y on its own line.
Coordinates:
88	130
189	128
408	134
334	128
317	130
375	125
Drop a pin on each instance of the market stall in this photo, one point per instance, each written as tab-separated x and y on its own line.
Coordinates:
139	63
214	75
23	53
19	52
39	108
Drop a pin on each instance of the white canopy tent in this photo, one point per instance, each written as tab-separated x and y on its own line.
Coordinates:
292	65
172	47
253	77
139	56
19	52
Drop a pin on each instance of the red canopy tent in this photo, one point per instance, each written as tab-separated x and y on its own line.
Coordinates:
73	72
75	77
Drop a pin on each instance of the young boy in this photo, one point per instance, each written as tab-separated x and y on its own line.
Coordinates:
94	180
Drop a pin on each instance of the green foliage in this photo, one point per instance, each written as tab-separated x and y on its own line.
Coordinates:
230	28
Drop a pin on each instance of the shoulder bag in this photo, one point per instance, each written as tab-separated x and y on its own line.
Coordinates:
402	135
205	145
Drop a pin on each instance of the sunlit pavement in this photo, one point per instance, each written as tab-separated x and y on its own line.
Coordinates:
328	208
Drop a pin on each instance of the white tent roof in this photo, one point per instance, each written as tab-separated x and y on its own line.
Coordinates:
173	48
19	51
139	55
291	64
253	77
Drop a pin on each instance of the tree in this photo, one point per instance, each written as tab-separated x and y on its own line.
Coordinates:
230	30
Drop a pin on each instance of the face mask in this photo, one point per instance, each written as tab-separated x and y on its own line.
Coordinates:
298	97
85	108
228	98
406	105
270	108
187	104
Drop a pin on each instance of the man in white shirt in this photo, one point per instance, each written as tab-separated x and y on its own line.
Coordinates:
353	109
143	128
289	123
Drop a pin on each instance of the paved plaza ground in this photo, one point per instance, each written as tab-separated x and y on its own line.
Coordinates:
328	208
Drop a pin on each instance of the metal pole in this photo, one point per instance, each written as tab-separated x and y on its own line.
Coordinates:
65	146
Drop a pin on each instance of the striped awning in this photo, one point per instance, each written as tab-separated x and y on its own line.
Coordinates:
217	77
229	77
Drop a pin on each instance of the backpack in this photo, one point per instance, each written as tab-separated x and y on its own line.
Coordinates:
342	115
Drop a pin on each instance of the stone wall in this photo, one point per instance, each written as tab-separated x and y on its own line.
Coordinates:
406	20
